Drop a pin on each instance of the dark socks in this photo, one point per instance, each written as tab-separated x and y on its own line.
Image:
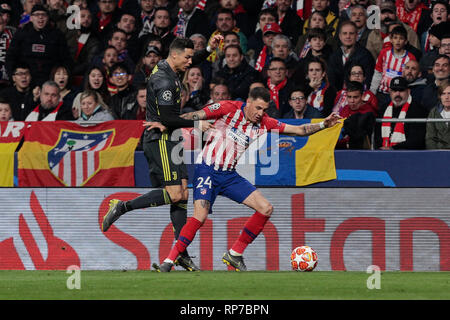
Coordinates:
154	198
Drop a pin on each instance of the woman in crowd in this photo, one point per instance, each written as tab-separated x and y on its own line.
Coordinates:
197	90
92	107
62	76
321	93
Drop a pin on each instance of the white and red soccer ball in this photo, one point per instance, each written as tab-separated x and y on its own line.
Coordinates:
303	258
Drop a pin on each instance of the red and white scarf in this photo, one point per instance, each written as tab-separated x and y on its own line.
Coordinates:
411	18
275	91
316	98
82	39
390	139
34	115
261	61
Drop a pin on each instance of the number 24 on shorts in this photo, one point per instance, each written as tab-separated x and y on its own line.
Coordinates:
204	182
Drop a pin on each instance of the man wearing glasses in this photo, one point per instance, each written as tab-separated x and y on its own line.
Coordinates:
123	101
279	85
299	108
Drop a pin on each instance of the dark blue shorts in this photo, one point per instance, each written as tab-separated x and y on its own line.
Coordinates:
208	183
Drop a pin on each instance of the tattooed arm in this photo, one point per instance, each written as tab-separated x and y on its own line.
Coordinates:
311	128
195	115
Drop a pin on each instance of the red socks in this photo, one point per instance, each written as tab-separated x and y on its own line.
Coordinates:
252	228
185	238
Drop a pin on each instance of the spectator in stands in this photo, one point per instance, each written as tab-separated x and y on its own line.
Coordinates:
107	59
390	64
62	77
411	12
83	45
288	20
122	102
93	108
5	39
439	13
238	74
400	135
315	46
279	85
438	133
316	21
201	50
226	22
146	64
147	13
435	36
416	82
377	37
5	110
445	45
255	41
243	21
441	73
106	18
219	92
282	48
57	13
127	23
191	20
7	13
299	108
349	52
161	27
320	92
118	40
323	6
197	90
360	119
94	80
27	7
141	101
269	32
20	94
50	107
39	45
358	15
356	73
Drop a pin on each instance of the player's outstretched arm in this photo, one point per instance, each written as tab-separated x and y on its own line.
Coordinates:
311	128
195	115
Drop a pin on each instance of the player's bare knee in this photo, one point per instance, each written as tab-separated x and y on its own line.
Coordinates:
175	196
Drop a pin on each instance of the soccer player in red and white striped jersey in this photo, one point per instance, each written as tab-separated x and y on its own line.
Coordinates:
236	126
391	61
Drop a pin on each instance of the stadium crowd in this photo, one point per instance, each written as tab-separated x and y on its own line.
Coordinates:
365	59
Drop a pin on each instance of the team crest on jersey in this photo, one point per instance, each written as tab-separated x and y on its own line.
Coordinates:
214	107
167	95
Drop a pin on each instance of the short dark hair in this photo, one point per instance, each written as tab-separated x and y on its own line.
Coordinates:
179	44
227	11
119	65
115	30
259	93
399	31
270	11
441	56
355	86
277	59
234	46
141	86
317	33
296	89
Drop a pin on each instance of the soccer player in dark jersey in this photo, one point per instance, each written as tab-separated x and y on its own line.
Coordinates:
163	106
237	125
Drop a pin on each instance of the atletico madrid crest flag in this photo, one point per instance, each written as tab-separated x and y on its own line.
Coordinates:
61	153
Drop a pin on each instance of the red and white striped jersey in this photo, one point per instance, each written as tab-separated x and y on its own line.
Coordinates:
391	66
232	133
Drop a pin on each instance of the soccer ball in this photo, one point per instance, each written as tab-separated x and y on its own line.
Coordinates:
303	258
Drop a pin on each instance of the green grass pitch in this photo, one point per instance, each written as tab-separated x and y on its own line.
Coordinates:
222	285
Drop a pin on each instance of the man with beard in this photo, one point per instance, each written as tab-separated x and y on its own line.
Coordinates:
161	27
441	73
416	83
50	107
390	135
83	45
191	20
377	37
127	23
